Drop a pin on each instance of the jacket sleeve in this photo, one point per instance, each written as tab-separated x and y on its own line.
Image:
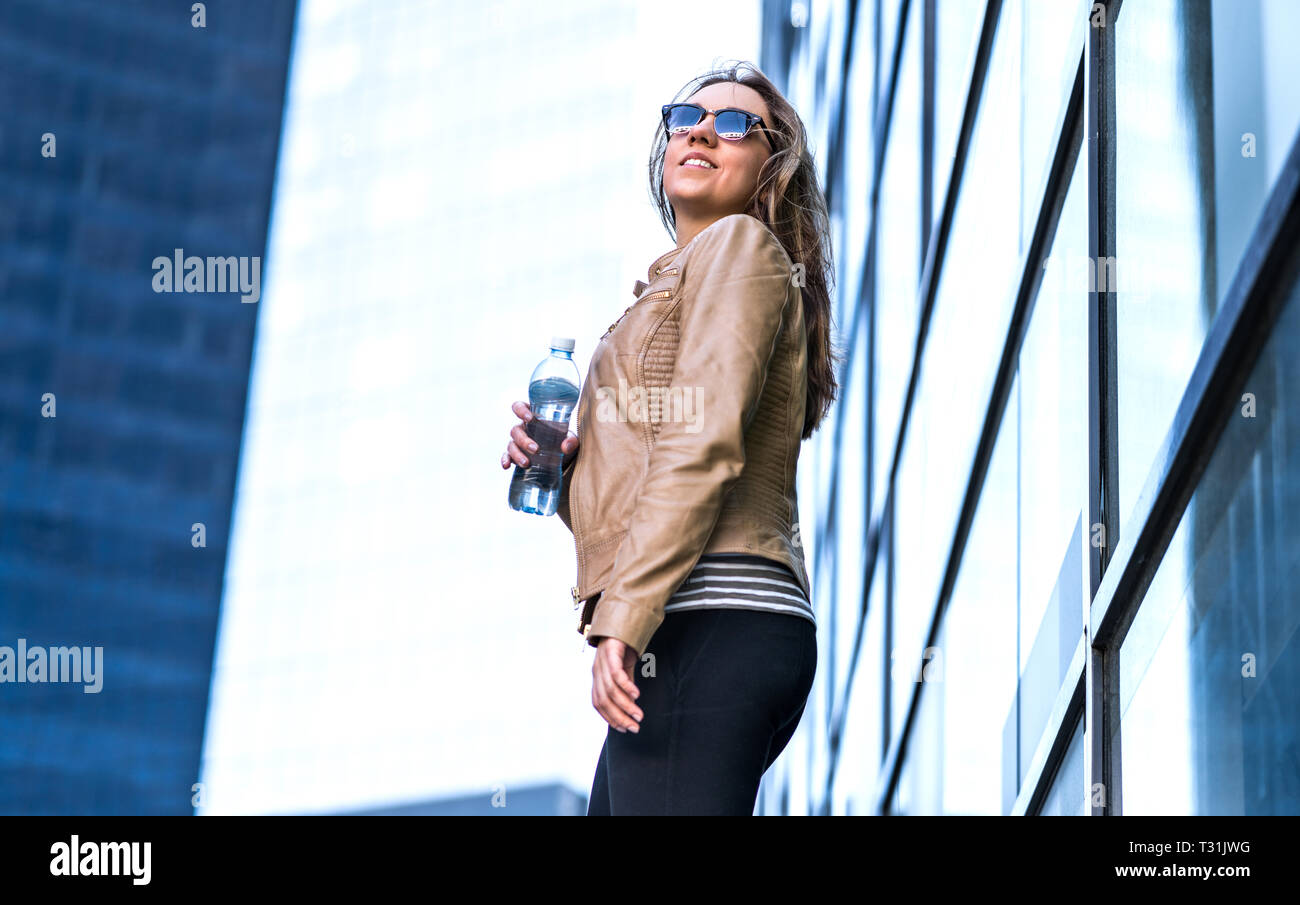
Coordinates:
566	473
735	292
562	505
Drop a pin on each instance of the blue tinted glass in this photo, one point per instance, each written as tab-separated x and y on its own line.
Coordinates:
682	116
1210	668
1206	112
731	124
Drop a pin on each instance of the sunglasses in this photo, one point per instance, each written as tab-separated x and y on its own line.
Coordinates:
729	123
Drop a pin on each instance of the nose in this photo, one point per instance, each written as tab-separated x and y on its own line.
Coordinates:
703	132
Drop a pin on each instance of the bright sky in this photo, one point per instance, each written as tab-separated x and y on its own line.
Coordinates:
457	183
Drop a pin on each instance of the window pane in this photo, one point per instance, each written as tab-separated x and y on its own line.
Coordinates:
919	559
888	35
1054	415
1210	668
1205	111
898	259
850	518
858	165
979	645
968	330
1065	797
862	746
1053	38
957	31
1053	465
921	784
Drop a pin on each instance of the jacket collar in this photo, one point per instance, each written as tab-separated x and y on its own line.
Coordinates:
660	263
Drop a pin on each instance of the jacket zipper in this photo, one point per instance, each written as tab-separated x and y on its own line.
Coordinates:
662	293
575	518
584	624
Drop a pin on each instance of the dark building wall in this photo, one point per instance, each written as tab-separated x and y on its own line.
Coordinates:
165	136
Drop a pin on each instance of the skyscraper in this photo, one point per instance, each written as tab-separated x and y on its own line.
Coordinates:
130	132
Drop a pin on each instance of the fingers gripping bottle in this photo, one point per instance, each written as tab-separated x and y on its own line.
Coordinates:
552	395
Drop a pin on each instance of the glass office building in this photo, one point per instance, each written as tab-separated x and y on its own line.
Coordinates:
1056	549
127	131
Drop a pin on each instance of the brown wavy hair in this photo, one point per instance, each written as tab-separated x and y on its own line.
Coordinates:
789	200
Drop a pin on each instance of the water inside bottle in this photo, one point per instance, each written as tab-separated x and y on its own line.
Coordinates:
537	488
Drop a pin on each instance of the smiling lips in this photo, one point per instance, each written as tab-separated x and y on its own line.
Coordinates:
698	162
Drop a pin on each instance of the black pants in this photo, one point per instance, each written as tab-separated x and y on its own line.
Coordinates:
728	689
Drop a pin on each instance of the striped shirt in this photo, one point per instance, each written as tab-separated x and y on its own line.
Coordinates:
741	581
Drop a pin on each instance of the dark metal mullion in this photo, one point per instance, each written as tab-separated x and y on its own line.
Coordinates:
1102	489
927	120
887	521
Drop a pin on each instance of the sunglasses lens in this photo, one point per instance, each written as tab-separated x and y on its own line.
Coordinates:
731	124
682	117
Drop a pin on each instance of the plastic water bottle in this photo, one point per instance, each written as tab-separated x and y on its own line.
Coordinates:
552	395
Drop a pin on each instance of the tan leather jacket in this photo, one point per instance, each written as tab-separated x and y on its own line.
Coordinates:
689	421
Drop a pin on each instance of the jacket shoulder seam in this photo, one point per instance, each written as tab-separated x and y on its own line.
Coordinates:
688	253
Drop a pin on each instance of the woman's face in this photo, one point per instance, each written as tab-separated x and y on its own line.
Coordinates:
702	193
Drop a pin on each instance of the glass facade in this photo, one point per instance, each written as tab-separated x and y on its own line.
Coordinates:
131	132
1209	671
1067	442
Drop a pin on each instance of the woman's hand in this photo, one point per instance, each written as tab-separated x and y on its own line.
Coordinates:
520	441
612	688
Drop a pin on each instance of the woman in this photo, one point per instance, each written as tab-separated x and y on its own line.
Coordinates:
683	504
